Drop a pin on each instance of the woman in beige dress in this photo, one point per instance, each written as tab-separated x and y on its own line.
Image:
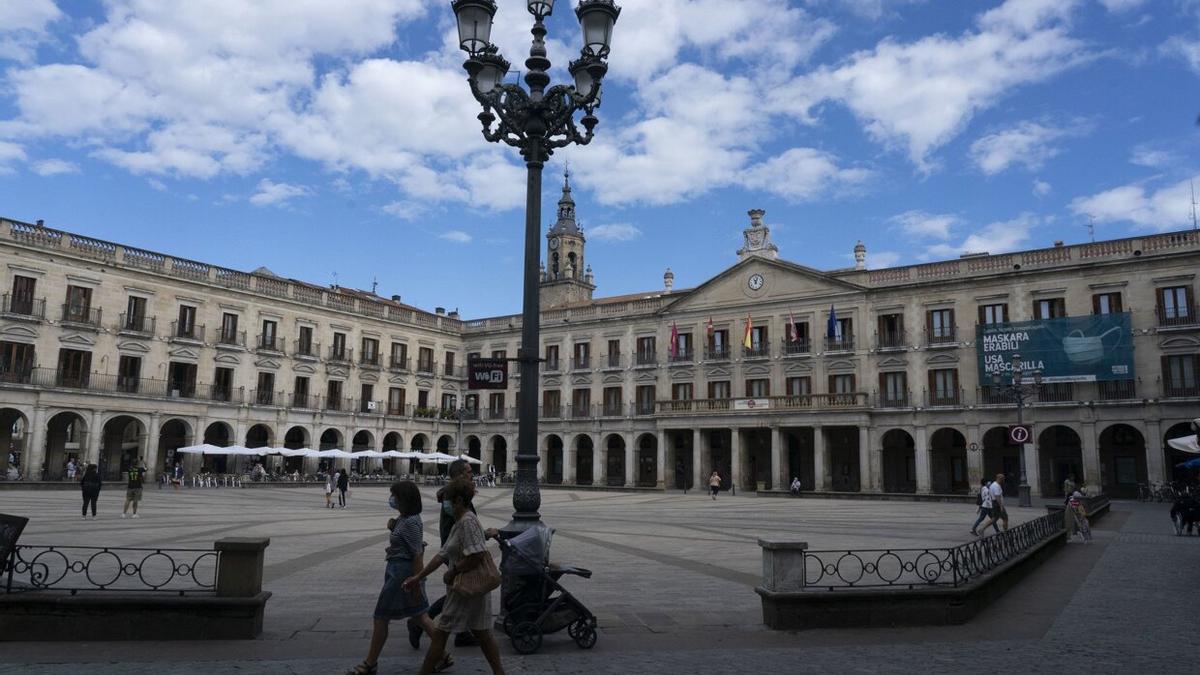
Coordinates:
464	549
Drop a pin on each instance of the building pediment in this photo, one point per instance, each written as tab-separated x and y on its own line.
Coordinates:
184	353
337	371
231	359
1180	342
397	379
425	384
944	358
268	364
132	346
306	368
19	333
893	362
581	379
842	366
368	376
77	340
758	280
802	367
552	382
684	375
646	376
613	379
718	372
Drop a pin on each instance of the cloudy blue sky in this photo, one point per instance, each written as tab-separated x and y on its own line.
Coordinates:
337	140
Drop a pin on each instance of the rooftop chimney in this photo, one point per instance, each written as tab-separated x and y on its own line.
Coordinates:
440	311
1058	243
395	298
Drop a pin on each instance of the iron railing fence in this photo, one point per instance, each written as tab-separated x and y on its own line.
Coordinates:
913	568
87	568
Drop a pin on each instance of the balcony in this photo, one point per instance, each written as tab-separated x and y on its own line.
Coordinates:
891	341
1117	390
338	404
136	325
1057	392
121	384
645	359
894	399
718	353
269	343
612	362
398	364
549	366
340	354
217	393
643	408
305	349
304	401
1181	389
585	411
551	411
232	339
266	397
839	344
423	413
756	352
22	307
944	399
86	317
496	414
796	347
454	372
370	407
581	363
942	337
425	367
612	409
1183	316
369	360
186	331
682	356
767	404
395	409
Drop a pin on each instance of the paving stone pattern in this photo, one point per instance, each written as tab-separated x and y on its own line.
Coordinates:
673	587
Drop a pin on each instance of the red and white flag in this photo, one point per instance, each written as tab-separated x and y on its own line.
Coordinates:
673	348
711	330
792	336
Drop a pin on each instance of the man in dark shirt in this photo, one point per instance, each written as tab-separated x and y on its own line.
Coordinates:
343	484
133	489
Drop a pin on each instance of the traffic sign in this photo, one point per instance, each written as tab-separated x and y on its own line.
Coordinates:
1019	434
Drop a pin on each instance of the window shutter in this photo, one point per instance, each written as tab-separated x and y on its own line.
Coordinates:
832	384
883	392
953	326
1096	303
982	315
747	389
853	385
932	384
1166	371
929	323
1117	306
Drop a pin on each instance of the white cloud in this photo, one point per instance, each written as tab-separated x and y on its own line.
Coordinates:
157	185
1165	208
405	210
868	9
998	237
1041	188
1121	5
1186	50
801	174
1152	158
456	236
920	95
54	167
918	223
1028	143
23	25
271	193
880	259
614	232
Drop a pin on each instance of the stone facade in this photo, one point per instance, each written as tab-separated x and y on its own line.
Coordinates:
894	404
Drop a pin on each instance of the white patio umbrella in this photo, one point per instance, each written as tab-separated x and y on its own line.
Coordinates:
468	458
335	454
403	454
202	449
1186	444
300	452
438	458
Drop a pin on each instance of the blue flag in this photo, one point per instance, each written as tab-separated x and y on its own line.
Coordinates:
833	330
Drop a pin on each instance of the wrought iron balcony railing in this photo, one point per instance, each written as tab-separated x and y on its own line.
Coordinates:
135	323
81	316
23	306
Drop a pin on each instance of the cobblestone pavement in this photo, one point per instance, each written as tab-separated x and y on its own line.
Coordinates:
673	588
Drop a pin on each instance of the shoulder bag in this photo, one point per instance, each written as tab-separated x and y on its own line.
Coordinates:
479	580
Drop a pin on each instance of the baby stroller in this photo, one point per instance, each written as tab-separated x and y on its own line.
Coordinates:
537	603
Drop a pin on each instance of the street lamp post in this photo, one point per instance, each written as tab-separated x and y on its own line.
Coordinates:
1019	391
537	122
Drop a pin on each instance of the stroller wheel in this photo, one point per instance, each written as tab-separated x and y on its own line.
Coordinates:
526	637
585	634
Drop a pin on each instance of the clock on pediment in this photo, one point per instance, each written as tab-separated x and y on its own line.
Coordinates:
756	285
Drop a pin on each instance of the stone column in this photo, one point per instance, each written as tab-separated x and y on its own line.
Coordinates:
735	458
600	462
820	460
34	455
661	459
866	482
1156	470
630	461
1091	459
974	459
779	478
1033	471
569	457
698	482
95	434
150	453
924	480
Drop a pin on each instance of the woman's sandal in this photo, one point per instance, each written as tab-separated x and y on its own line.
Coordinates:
445	664
364	668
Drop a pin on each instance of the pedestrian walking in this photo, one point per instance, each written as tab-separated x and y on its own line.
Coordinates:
997	512
983	502
133	488
329	486
405	555
795	487
72	468
1068	487
90	485
343	484
464	551
458	470
714	484
177	478
1079	512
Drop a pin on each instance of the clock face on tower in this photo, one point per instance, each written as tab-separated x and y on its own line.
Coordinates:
755	282
553	244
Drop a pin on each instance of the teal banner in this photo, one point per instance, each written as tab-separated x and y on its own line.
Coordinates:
1070	349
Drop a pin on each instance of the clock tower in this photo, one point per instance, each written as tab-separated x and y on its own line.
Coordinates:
567	279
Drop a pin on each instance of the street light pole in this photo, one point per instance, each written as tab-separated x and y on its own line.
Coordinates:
1018	392
537	122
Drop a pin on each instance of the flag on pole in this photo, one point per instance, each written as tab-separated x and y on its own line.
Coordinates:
711	330
746	341
792	336
834	330
673	348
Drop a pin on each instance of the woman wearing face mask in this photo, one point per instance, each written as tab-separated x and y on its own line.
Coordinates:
405	556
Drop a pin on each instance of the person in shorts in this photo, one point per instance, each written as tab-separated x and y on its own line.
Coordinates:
133	488
998	512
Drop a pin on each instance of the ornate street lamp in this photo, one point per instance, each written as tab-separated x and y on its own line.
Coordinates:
537	121
1019	391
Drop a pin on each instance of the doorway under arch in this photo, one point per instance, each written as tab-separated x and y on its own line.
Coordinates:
1122	461
500	454
647	460
174	434
66	439
899	462
1002	457
583	460
121	445
1060	454
14	430
554	460
219	434
948	462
